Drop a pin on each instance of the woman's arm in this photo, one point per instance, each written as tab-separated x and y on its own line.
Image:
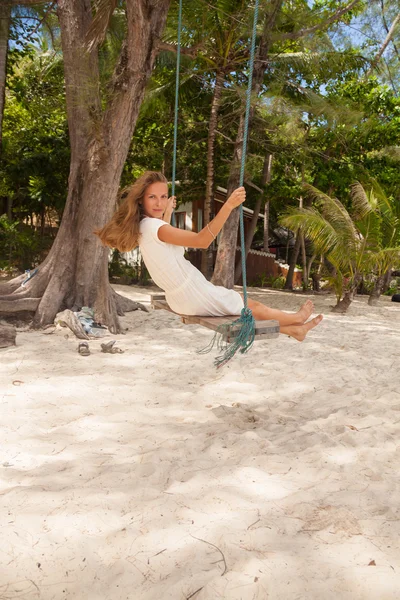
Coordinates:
204	238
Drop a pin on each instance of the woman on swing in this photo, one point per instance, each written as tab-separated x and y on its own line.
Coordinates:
143	220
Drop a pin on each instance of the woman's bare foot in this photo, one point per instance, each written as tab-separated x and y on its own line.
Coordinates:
305	312
299	332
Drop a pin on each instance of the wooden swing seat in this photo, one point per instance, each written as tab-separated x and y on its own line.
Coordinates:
265	330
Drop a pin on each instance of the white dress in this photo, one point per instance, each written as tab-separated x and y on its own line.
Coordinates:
187	291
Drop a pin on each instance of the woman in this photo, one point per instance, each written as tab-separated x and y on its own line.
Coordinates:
143	220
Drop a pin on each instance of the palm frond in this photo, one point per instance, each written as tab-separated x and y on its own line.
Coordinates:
98	29
336	214
362	203
316	228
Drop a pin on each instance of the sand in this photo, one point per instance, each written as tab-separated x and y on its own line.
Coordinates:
150	475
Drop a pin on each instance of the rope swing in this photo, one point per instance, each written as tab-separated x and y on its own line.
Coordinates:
244	327
178	65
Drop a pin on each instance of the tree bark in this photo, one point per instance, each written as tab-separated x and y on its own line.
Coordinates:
207	254
224	272
75	272
5	17
266	178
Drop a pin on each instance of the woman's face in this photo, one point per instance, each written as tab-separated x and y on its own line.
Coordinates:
155	200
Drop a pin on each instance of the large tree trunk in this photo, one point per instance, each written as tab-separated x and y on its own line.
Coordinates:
225	264
266	178
207	254
5	16
75	273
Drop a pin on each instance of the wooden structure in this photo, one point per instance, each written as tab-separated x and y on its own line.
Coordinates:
264	329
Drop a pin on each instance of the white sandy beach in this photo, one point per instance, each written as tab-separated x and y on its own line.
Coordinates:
150	475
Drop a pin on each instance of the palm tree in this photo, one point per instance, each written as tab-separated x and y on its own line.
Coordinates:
352	243
378	220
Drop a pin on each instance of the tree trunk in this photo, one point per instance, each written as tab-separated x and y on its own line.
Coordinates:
304	261
266	227
343	304
293	261
309	266
225	264
207	254
9	203
75	272
266	178
5	17
377	291
224	272
386	283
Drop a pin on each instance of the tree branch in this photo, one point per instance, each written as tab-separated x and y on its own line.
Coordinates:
386	26
253	185
8	287
191	51
385	44
294	35
133	69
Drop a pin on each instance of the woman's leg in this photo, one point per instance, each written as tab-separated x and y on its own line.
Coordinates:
265	313
291	324
299	332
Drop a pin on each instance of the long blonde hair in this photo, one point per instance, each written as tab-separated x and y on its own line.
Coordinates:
122	232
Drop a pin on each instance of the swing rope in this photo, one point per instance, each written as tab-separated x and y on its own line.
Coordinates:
245	325
178	65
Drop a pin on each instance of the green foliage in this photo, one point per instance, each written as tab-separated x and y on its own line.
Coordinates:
363	242
121	272
276	282
35	157
323	121
20	246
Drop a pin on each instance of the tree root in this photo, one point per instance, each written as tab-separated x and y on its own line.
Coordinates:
13	304
7	336
126	305
8	287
